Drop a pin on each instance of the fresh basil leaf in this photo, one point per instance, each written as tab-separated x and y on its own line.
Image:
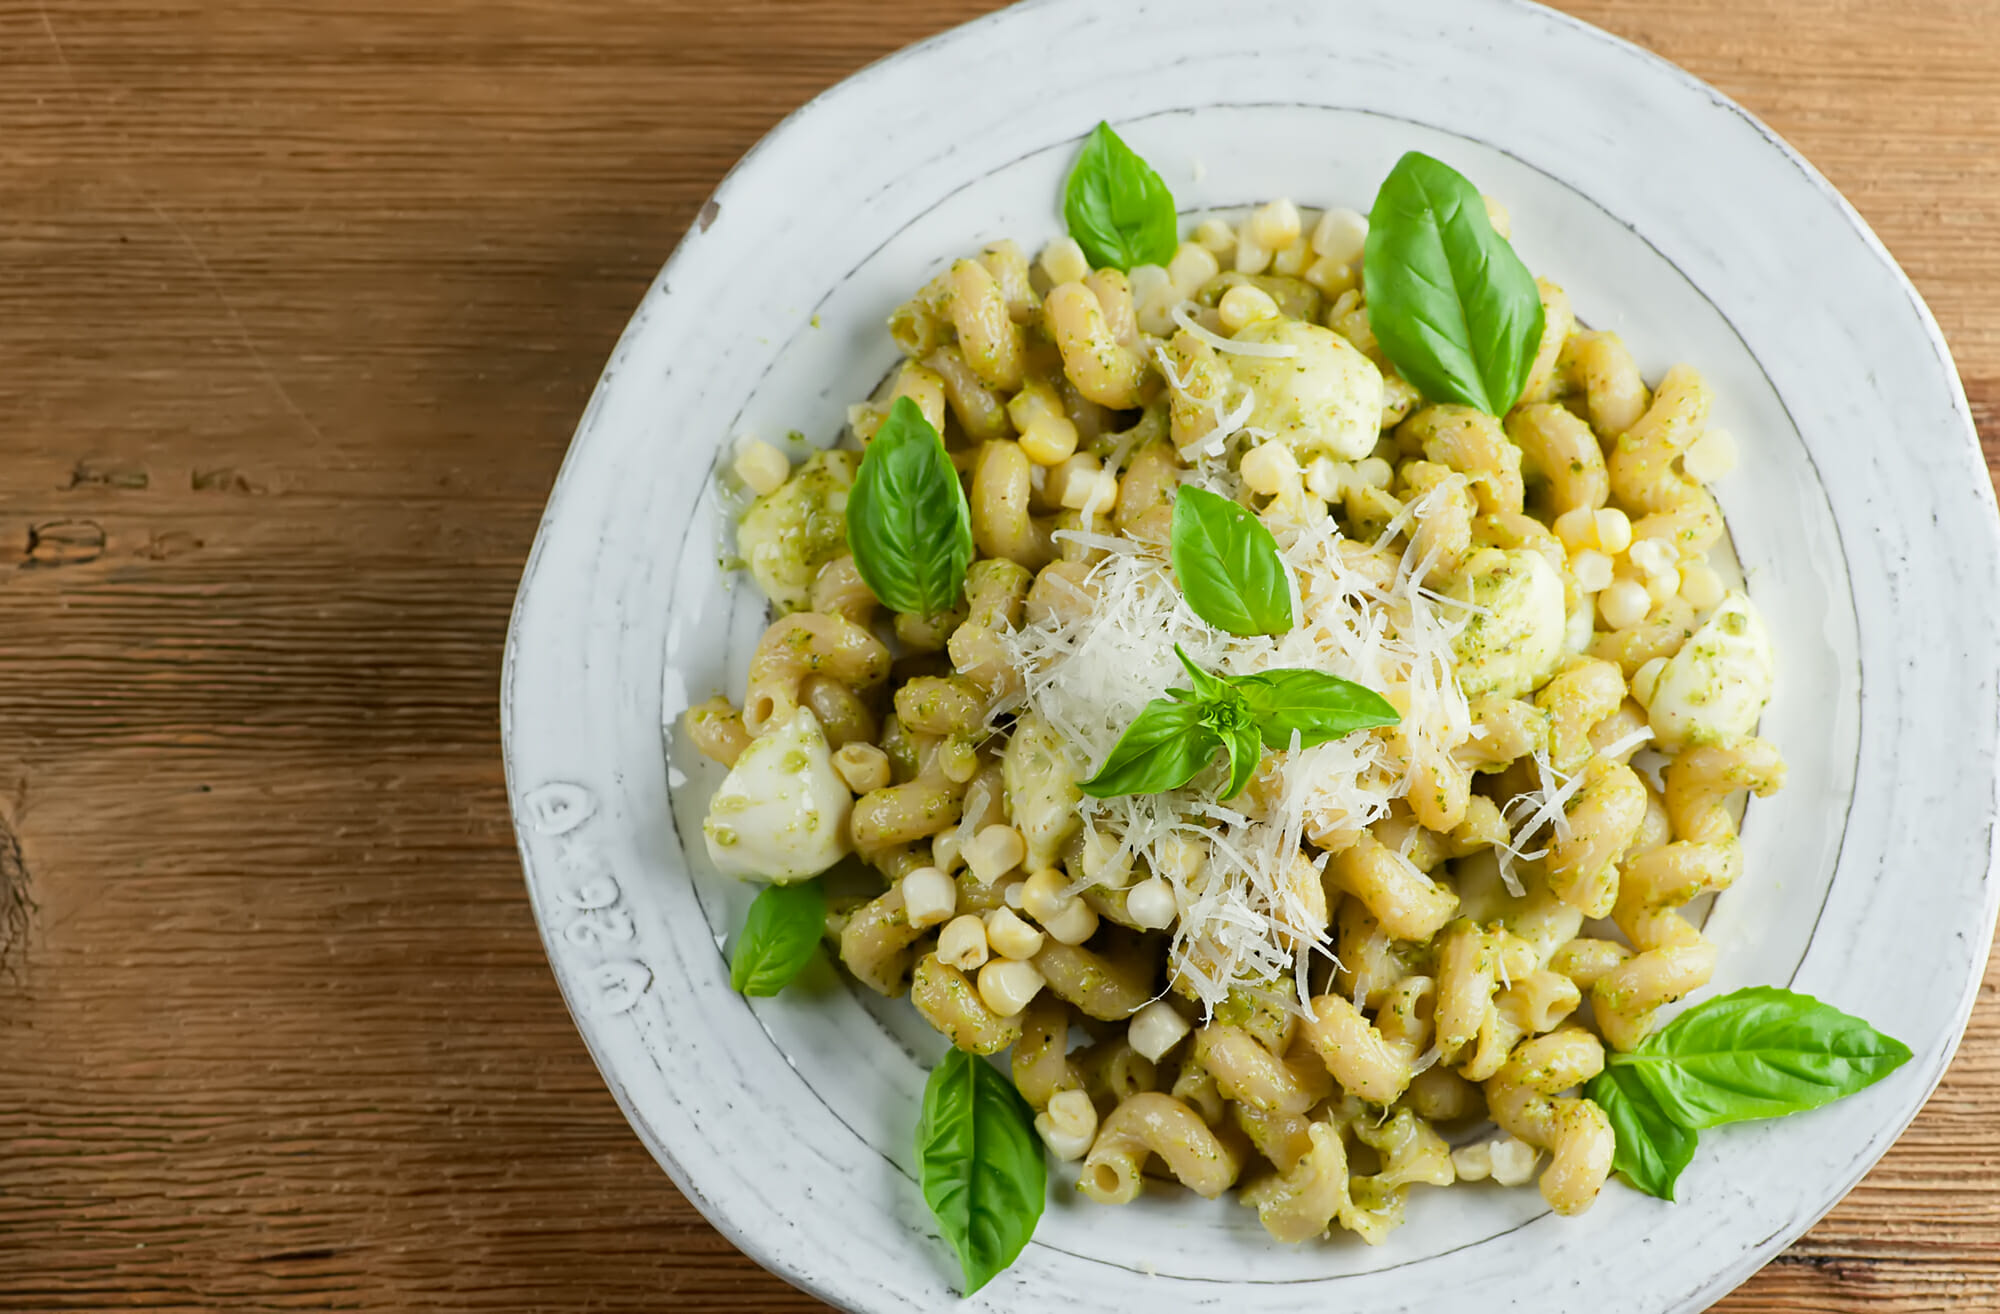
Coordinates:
980	1164
1163	748
1316	705
779	936
908	524
1652	1148
1116	207
1246	751
1207	688
1448	300
1759	1053
1228	565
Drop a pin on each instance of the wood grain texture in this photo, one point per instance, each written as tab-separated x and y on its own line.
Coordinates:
299	302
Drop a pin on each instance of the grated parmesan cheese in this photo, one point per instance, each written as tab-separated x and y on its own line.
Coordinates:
1547	804
1269	350
1244	918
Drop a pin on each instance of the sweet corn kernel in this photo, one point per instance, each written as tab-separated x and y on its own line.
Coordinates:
1664	585
1073	925
1217	237
1049	440
1068	1125
962	943
1474	1162
1252	256
1292	260
1591	569
1102	494
1332	277
1577	528
1071	483
1710	456
1513	1162
1150	904
861	766
1045	894
1147	281
1274	225
1177	858
1010	894
994	852
1646	680
929	897
1270	469
945	855
1155	1029
1624	604
1701	586
1156	314
1193	264
1036	400
760	465
1245	304
1326	478
1105	861
1010	936
1496	214
1064	262
1650	557
1006	985
1341	235
1374	472
1614	530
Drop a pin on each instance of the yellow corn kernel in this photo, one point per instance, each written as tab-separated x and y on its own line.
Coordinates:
1270	469
1006	985
1064	262
1049	440
1245	304
962	943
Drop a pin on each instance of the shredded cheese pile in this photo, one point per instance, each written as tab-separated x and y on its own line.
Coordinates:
1547	804
1245	922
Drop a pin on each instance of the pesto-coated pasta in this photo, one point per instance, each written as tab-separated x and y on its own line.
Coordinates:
1315	985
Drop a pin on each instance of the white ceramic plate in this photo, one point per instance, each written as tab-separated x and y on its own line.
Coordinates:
1861	511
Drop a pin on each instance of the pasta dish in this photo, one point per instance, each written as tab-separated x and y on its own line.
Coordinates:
1263	684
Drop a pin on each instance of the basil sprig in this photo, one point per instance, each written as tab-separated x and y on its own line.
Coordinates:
908	524
980	1164
1758	1053
1651	1148
1173	738
1228	566
779	935
1116	207
1450	303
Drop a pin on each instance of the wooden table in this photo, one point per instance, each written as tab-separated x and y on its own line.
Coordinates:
299	301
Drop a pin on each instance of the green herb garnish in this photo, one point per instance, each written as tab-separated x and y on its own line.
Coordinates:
779	935
1173	738
1762	1052
908	524
1117	208
980	1164
1228	566
1448	300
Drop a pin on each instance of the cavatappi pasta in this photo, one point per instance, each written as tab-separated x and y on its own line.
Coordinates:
1329	989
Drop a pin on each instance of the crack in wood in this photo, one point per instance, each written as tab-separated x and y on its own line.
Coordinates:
17	905
64	543
223	480
96	474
